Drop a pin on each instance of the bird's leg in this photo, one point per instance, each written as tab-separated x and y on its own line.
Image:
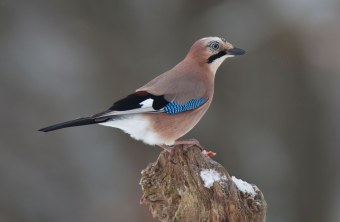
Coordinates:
187	143
169	149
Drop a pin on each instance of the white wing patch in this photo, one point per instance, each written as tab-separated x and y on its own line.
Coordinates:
146	103
146	107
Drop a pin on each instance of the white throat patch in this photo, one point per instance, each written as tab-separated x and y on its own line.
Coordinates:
217	62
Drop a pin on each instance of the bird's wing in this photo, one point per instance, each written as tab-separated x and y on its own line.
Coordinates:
145	102
182	85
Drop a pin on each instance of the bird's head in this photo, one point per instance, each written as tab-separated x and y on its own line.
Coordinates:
212	51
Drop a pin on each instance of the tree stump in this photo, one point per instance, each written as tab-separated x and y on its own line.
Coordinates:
189	186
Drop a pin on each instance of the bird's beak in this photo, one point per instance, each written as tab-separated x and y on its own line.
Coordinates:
235	51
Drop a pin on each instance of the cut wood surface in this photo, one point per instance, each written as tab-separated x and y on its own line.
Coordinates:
189	186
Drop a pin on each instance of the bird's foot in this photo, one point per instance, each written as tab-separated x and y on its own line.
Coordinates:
169	149
187	143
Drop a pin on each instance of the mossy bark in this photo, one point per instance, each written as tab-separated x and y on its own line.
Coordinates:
174	191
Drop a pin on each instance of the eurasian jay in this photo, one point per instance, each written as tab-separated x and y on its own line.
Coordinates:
169	106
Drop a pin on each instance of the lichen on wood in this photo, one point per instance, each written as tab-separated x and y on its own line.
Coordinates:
175	190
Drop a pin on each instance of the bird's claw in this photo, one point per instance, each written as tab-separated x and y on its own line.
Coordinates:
194	142
188	143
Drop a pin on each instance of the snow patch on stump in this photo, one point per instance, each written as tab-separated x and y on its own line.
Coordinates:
209	176
244	187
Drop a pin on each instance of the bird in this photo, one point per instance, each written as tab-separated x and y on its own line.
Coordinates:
169	106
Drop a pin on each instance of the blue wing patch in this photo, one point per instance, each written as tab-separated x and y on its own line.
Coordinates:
173	107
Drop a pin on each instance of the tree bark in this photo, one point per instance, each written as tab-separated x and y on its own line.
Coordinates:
189	186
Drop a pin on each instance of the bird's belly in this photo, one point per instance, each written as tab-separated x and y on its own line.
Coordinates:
138	127
172	127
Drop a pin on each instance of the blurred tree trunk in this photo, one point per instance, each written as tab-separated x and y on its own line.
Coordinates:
191	187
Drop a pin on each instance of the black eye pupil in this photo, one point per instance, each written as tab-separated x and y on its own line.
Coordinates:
215	46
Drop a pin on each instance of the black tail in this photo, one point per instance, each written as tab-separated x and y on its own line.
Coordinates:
76	122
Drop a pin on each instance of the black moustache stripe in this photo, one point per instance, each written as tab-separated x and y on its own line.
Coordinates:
216	56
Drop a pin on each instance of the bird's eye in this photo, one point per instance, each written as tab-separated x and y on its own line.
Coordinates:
214	45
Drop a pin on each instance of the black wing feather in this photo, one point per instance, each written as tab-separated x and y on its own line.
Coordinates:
76	122
133	101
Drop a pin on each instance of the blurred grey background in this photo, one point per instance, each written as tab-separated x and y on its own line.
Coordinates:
275	119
